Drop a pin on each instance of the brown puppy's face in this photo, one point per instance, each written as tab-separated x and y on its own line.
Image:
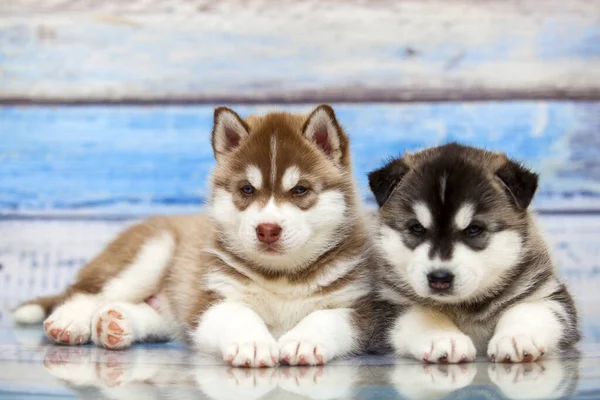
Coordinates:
281	185
453	219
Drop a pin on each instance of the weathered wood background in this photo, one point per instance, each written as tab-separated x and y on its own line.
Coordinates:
105	107
231	51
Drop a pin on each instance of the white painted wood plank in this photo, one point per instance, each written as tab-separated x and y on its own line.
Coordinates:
203	51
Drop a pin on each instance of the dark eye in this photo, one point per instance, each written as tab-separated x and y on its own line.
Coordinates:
417	229
299	190
247	189
473	230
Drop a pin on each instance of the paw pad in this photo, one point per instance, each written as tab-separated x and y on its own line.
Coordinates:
112	330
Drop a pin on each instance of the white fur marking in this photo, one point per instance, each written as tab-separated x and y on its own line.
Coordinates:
423	215
474	271
319	337
464	215
140	279
530	327
290	178
429	335
389	294
254	176
238	334
137	322
305	234
337	271
29	314
273	160
443	181
74	317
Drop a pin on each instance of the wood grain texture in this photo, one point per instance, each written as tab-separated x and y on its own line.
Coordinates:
138	52
113	161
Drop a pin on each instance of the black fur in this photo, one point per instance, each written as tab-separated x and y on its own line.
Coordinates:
383	181
520	183
500	191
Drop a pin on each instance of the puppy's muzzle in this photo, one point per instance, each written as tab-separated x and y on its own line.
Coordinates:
440	280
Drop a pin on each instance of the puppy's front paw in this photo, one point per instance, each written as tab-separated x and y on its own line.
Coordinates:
258	353
302	351
443	347
516	347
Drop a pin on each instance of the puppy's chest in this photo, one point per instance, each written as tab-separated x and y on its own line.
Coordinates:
281	305
280	312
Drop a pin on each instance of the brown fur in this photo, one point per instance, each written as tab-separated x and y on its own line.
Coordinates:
200	241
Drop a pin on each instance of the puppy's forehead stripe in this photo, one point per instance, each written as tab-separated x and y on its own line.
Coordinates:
254	176
290	178
423	214
443	181
273	159
464	215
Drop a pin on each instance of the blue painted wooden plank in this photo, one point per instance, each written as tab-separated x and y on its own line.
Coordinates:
154	159
410	50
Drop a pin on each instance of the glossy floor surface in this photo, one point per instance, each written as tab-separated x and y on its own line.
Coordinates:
39	257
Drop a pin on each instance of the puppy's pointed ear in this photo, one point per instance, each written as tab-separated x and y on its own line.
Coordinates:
228	131
519	183
323	130
384	180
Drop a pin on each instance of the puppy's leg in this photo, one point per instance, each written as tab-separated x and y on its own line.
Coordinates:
319	337
238	333
430	336
70	323
119	325
528	330
138	277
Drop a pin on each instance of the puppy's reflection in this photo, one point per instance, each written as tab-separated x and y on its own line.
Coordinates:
544	379
154	373
431	381
97	373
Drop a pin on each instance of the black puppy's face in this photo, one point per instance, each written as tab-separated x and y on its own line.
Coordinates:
453	219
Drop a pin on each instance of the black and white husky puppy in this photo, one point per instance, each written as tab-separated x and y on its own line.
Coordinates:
463	265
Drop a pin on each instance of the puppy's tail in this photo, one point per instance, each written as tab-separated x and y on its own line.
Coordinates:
35	311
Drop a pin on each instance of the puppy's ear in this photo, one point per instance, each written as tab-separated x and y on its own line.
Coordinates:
228	131
323	130
384	180
519	182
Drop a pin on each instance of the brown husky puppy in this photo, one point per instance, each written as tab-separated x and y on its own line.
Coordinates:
276	270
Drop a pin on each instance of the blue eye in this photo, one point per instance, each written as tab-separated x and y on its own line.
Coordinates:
247	189
299	190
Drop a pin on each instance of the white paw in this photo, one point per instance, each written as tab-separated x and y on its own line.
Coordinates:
112	328
443	347
69	324
516	347
252	353
294	349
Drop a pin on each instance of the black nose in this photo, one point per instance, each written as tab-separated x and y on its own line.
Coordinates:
440	279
